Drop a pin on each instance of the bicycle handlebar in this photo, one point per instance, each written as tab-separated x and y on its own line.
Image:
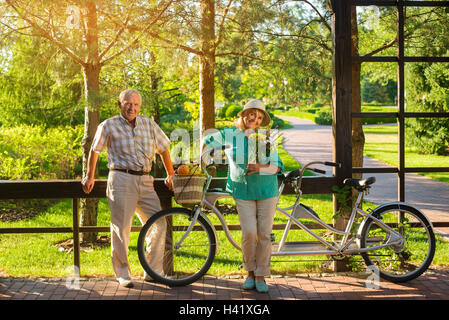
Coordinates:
317	170
332	164
299	172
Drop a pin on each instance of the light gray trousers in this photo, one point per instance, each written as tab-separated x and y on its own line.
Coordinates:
128	194
256	220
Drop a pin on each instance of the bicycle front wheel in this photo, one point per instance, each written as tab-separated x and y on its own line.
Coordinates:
165	258
399	263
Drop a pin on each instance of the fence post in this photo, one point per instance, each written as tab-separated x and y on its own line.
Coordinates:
341	96
165	200
76	234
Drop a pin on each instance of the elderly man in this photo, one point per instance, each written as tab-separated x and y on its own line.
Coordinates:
131	141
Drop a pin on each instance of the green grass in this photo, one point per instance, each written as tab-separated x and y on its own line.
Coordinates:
312	114
381	142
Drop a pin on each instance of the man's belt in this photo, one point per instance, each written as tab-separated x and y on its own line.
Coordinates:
136	173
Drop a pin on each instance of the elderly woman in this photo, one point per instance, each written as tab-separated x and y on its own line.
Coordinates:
253	184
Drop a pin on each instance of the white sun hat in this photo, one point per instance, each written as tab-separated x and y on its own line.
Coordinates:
259	105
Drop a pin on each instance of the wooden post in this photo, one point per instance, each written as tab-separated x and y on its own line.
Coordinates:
341	98
76	236
401	104
165	198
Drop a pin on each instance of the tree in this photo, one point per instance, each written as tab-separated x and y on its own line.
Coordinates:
212	29
92	34
38	85
425	35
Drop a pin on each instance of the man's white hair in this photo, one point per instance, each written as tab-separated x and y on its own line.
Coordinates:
125	94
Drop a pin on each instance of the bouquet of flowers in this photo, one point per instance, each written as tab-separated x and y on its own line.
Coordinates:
261	144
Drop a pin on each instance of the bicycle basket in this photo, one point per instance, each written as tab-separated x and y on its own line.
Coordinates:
188	189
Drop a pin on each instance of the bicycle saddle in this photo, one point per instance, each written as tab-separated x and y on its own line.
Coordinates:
359	184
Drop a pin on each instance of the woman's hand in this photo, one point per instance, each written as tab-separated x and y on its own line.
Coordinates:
253	168
258	167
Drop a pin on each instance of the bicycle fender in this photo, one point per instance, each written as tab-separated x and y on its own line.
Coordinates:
202	214
404	204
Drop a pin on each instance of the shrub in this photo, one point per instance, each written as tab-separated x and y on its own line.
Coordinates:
32	152
324	118
232	110
222	111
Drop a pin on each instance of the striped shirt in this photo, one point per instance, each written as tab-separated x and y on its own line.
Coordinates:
128	147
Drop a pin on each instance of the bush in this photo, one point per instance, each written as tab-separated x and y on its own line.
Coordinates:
32	152
324	118
428	136
232	110
222	111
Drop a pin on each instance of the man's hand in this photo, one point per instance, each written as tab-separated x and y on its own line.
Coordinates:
169	182
89	180
88	184
166	159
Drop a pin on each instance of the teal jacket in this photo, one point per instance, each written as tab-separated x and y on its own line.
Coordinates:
246	187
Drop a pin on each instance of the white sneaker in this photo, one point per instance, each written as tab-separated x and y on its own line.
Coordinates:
125	282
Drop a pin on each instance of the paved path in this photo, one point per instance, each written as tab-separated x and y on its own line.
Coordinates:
307	142
431	285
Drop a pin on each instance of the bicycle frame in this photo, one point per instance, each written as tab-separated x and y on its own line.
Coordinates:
334	249
209	199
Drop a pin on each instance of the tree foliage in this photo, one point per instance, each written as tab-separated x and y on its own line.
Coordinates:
427	84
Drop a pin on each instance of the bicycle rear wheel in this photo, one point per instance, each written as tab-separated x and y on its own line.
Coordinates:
405	262
183	264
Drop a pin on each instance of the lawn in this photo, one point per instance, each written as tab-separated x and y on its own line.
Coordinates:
381	142
323	115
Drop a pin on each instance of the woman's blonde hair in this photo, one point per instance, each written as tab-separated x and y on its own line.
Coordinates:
240	124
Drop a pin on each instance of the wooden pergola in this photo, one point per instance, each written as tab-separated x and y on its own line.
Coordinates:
342	11
342	144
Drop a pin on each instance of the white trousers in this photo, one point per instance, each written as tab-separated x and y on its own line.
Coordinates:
256	220
128	194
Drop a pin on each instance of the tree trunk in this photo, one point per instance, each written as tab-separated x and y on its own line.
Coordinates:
88	207
158	166
91	72
358	137
207	65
